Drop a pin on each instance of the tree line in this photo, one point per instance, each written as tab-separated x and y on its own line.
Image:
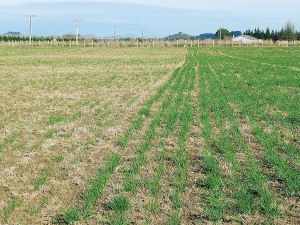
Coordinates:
7	38
288	32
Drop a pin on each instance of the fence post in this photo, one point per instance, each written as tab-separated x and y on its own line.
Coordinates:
206	43
213	43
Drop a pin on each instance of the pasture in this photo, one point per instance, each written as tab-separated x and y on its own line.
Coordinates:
149	135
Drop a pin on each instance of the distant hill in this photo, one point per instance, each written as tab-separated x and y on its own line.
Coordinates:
200	37
13	33
180	35
206	36
236	33
184	36
190	37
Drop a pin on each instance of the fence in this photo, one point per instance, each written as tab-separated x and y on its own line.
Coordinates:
151	43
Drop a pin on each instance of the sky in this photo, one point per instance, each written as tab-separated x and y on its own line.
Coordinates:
188	4
156	17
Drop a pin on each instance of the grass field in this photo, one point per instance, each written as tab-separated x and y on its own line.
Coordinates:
149	135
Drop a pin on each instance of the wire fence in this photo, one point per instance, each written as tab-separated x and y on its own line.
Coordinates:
139	42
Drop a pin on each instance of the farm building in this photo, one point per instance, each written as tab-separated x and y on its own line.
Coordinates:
246	39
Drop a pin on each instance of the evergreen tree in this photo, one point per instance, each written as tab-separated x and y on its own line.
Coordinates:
255	32
268	34
281	34
272	35
262	35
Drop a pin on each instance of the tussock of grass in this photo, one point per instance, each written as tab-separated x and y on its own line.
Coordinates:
119	204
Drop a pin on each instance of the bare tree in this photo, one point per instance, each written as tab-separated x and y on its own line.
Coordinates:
288	32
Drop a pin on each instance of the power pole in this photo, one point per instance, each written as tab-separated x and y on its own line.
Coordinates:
143	36
77	25
114	26
30	26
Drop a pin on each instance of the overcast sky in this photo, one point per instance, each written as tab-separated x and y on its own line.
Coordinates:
157	17
187	4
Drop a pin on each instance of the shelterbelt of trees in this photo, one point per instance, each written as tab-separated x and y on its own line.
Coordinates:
7	38
288	32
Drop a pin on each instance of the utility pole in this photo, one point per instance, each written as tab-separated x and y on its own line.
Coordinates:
77	25
143	36
30	26
114	26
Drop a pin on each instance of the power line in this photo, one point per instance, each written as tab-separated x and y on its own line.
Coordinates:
69	20
62	20
40	17
12	14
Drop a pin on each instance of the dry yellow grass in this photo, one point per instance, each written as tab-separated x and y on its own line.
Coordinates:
62	111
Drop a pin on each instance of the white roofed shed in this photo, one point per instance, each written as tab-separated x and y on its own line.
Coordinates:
246	39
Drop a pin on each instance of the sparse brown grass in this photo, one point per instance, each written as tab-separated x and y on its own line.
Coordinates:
62	111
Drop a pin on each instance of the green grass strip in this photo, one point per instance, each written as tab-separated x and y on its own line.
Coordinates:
145	111
7	210
251	105
92	194
245	200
